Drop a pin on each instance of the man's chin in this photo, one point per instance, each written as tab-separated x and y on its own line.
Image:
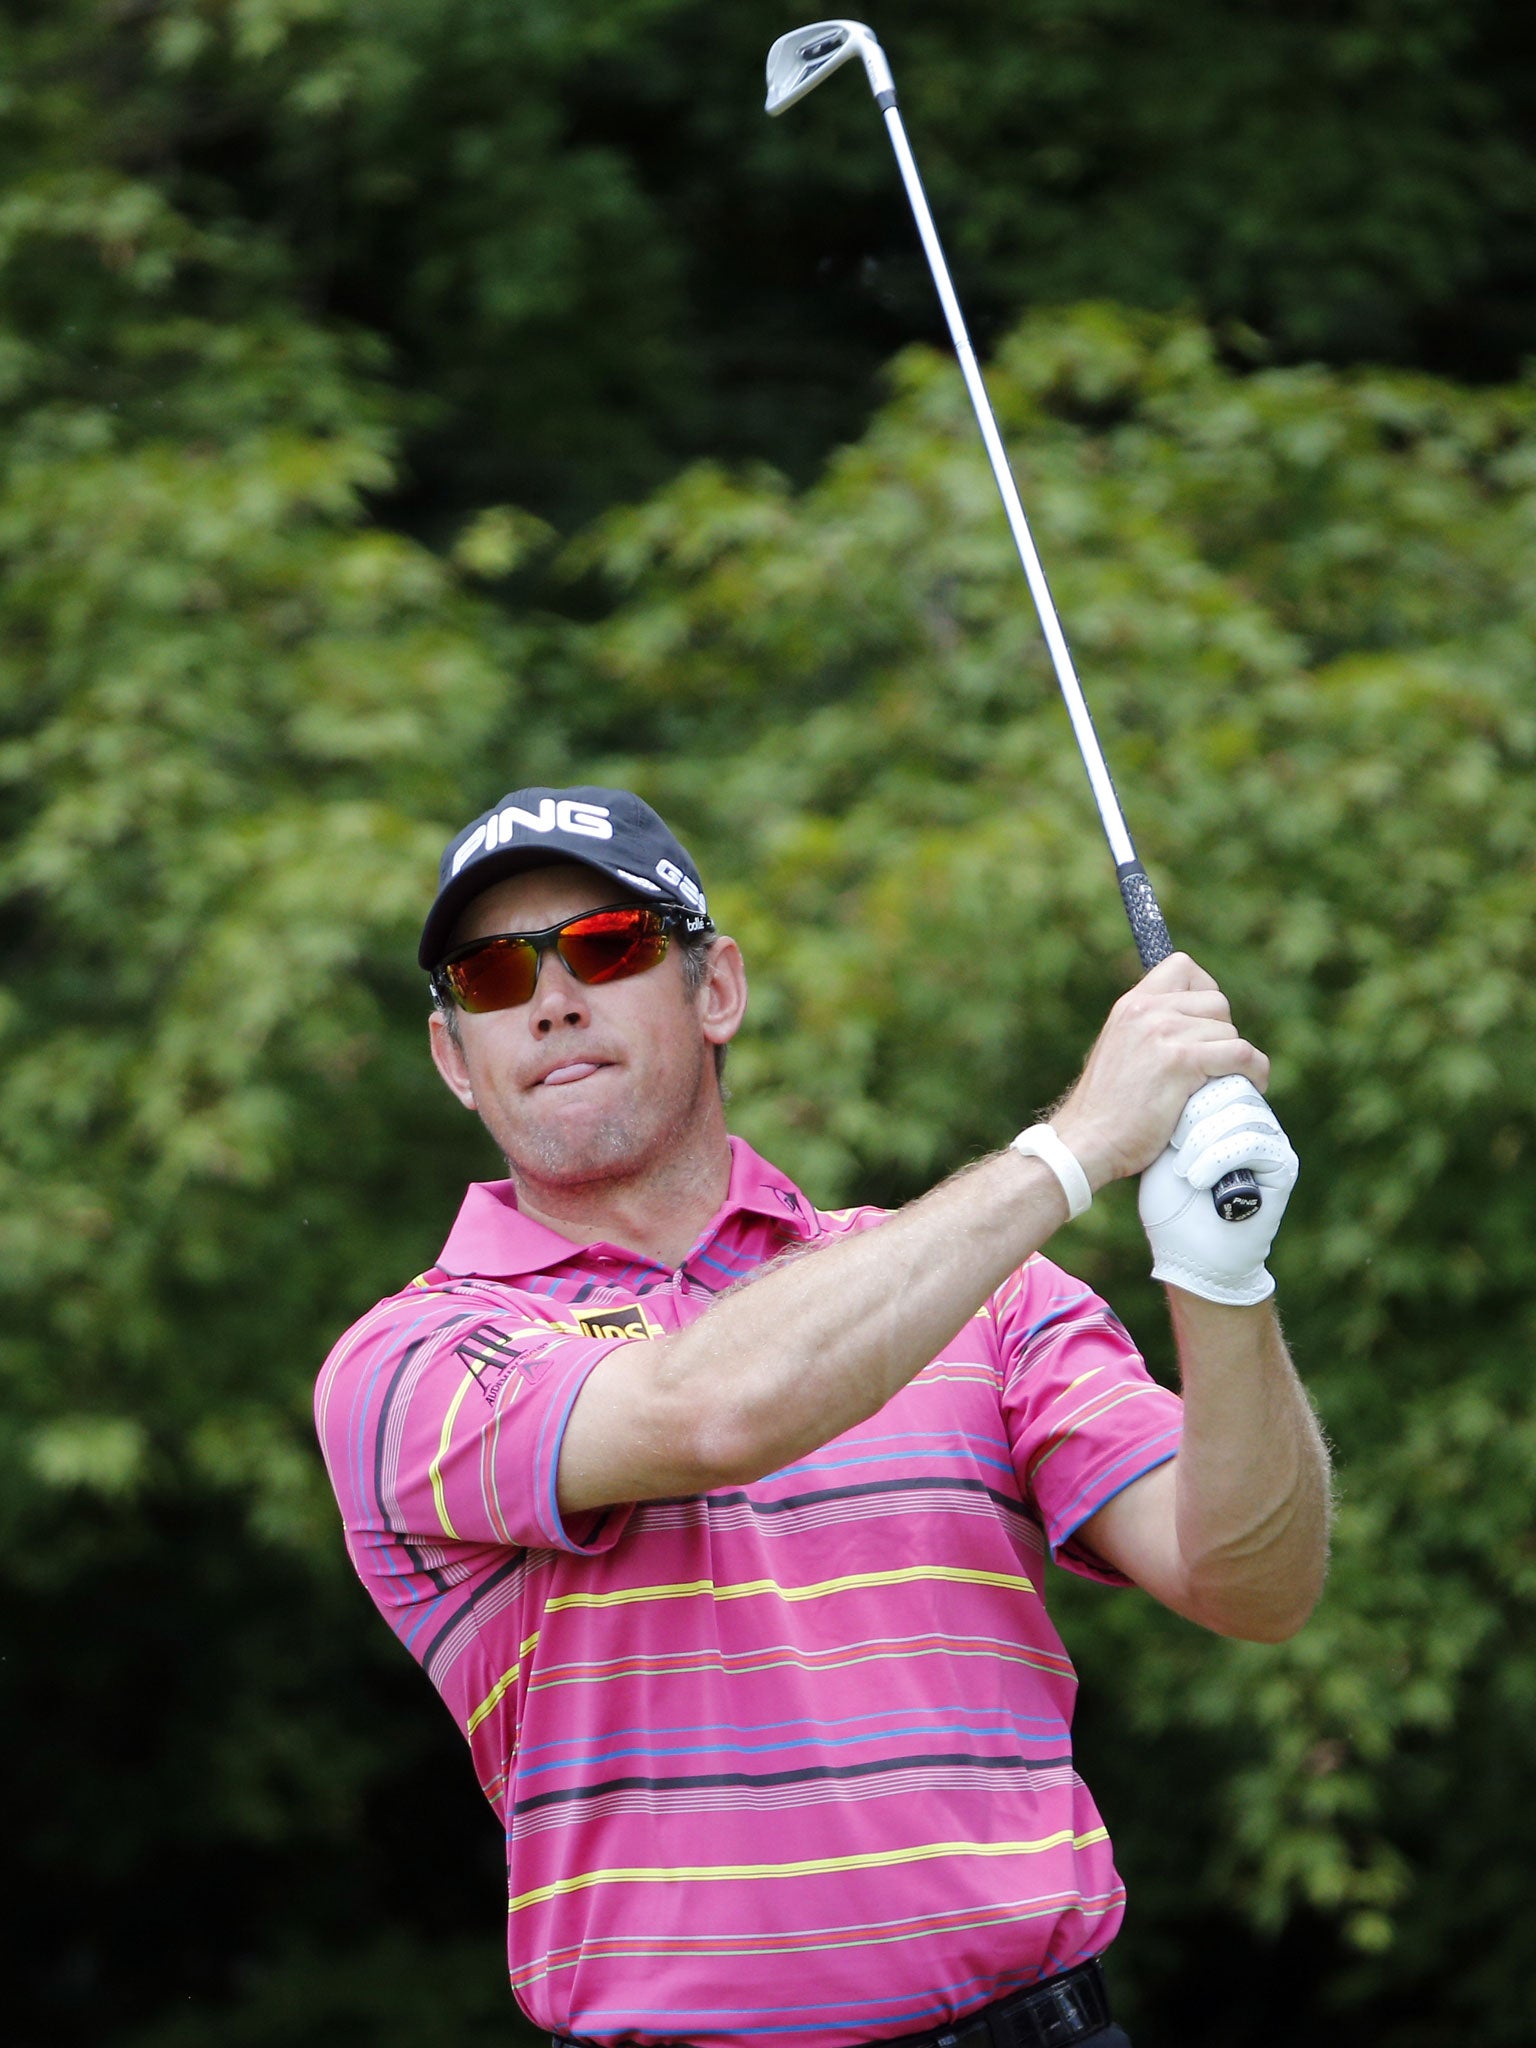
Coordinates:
577	1158
586	1132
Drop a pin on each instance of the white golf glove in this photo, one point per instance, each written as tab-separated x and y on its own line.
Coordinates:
1226	1124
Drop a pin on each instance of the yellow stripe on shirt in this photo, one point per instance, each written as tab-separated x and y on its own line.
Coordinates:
750	1589
507	1678
820	1866
442	1452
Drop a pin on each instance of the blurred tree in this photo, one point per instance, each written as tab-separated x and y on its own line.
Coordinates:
593	256
233	714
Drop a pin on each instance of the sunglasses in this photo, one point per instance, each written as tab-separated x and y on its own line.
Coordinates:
501	973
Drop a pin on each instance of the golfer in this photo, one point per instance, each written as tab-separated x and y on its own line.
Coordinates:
721	1522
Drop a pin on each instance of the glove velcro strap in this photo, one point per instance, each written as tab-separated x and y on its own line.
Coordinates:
1246	1292
1041	1142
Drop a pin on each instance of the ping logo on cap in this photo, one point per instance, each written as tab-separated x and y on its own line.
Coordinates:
582	821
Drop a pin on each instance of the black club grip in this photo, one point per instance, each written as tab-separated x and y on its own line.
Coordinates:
1141	907
1236	1195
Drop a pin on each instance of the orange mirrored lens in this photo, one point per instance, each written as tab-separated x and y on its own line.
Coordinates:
602	945
496	976
612	944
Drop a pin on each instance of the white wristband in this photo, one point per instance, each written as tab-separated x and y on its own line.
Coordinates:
1041	1142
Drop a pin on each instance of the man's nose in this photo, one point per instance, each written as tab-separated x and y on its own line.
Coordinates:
558	997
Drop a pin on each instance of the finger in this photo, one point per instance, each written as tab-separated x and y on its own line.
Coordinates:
1225	1091
1169	1033
1178	971
1194	1002
1240	1108
1235	1056
1266	1154
1168	1016
1198	1002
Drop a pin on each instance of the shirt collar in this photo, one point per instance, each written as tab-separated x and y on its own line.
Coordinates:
493	1240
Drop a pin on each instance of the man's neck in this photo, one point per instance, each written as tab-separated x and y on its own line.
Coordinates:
660	1213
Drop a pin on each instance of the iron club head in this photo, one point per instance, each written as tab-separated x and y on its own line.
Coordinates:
798	62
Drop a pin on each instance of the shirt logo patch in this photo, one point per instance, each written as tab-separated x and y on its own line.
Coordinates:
628	1321
488	1356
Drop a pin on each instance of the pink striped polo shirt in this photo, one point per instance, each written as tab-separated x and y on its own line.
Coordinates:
788	1761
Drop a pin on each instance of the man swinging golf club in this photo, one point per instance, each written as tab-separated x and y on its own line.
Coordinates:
722	1522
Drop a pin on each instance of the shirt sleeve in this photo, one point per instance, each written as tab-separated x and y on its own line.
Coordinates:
1084	1416
442	1418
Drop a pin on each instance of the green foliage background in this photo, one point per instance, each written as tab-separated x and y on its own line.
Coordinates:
401	401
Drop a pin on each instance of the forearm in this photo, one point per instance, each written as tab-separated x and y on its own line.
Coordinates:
812	1346
1251	1479
821	1342
818	1347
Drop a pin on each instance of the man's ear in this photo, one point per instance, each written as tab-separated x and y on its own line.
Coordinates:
448	1058
723	992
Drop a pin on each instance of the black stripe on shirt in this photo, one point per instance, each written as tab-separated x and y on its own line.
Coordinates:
808	1774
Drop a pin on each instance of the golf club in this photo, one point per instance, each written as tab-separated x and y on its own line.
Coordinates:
797	64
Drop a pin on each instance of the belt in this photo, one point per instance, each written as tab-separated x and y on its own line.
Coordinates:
1050	2015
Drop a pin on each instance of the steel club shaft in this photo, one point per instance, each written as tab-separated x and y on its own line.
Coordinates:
796	65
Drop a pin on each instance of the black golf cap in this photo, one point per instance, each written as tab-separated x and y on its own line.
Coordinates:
611	830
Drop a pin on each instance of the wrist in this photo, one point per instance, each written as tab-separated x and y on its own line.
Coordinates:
1203	1315
1218	1290
1044	1143
1094	1150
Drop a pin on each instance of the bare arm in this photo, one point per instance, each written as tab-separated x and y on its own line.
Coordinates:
821	1342
1233	1532
789	1361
